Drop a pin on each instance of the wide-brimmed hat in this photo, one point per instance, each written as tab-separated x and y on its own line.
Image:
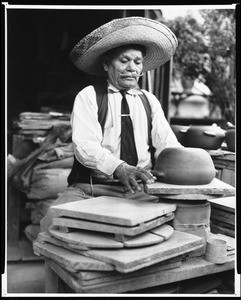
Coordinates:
159	41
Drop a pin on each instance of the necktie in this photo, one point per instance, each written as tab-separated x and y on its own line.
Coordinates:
128	148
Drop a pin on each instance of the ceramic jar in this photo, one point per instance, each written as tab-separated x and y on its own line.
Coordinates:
205	137
180	133
230	138
184	166
216	251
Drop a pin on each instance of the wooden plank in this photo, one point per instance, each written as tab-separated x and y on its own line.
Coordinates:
84	238
223	216
115	276
192	268
69	258
225	203
144	239
45	237
13	251
114	210
94	277
189	197
216	187
91	239
131	259
116	229
90	275
223	230
165	231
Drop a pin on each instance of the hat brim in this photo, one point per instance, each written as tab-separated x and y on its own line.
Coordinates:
159	41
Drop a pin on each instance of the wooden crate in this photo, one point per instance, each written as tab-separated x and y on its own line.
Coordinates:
225	165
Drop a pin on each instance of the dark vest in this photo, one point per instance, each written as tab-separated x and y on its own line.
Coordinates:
79	172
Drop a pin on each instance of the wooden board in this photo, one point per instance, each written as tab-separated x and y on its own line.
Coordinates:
216	187
189	197
131	259
144	239
91	239
117	229
192	268
225	203
92	278
165	231
45	237
95	276
115	276
223	216
221	228
114	210
70	259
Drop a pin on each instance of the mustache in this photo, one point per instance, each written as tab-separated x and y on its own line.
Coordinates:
133	75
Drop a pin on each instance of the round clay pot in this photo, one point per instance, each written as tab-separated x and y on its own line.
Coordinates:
184	166
230	138
205	137
180	133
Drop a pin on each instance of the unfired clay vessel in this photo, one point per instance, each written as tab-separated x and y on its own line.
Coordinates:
184	166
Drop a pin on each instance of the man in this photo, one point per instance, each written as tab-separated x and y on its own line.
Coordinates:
120	50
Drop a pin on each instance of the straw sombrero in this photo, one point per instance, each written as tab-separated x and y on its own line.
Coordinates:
159	41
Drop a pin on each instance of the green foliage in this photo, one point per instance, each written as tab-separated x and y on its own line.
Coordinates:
208	51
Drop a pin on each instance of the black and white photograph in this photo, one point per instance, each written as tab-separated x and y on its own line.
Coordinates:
120	150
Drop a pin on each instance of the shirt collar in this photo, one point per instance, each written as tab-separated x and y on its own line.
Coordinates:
133	92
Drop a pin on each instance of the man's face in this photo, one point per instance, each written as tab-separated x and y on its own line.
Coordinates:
124	68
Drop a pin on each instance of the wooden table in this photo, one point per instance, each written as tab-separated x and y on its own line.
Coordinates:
57	277
59	280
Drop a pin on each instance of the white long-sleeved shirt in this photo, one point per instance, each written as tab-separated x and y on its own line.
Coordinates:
102	151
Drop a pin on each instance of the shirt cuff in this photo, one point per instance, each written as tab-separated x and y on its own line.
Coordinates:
110	167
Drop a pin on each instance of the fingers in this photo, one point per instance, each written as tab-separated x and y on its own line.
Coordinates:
131	184
128	175
131	181
145	176
135	184
128	182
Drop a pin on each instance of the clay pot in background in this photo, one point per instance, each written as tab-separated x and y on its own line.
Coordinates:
230	138
205	137
180	133
184	166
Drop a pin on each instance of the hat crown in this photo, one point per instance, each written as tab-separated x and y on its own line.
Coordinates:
120	32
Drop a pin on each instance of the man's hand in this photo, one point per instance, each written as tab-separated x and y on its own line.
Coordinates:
128	175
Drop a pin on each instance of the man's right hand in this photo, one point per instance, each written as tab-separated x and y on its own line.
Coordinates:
128	175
